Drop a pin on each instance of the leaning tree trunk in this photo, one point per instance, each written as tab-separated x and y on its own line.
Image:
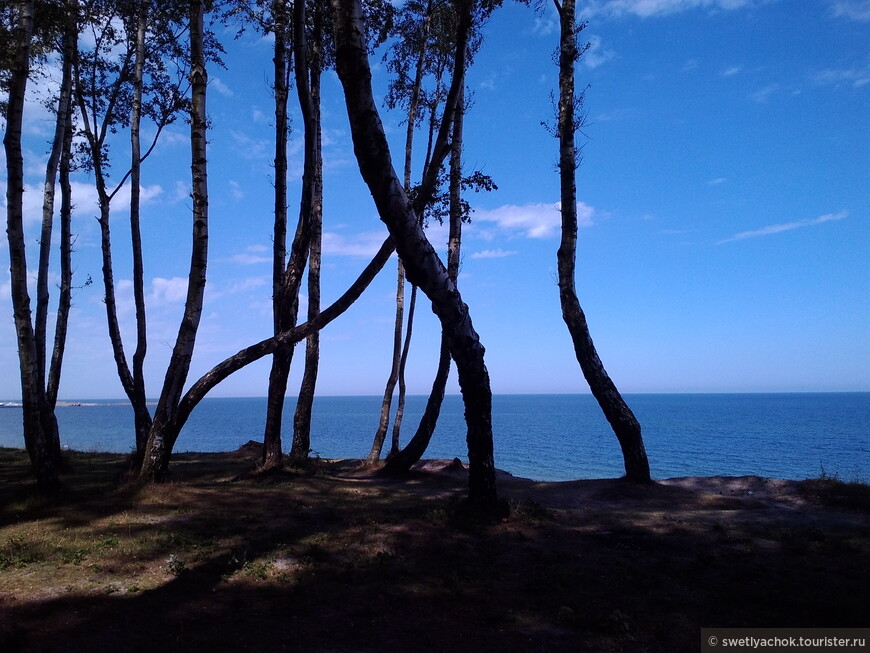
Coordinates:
40	426
422	264
622	420
401	349
161	437
401	461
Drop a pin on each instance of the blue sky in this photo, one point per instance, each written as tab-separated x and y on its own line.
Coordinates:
724	243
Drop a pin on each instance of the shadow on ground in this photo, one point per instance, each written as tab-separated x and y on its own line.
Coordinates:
337	559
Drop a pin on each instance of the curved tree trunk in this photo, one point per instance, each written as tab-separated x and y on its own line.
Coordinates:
159	446
288	338
618	414
402	460
422	264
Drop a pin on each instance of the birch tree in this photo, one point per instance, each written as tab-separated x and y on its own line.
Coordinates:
422	264
131	42
41	436
160	437
616	410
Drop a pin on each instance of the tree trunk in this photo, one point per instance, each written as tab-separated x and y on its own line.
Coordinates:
161	437
305	401
299	251
281	359
422	264
142	418
618	414
400	462
384	422
65	296
40	426
403	363
402	349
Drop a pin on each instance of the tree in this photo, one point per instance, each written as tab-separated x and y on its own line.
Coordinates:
41	436
156	460
411	46
423	267
618	414
283	317
307	75
112	93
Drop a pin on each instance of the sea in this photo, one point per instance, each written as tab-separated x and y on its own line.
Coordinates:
542	437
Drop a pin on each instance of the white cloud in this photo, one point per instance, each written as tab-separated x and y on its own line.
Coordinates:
533	220
718	181
596	55
250	148
364	244
168	291
853	9
647	8
252	256
854	77
544	26
217	84
239	286
236	190
788	226
494	253
258	116
763	94
84	197
730	72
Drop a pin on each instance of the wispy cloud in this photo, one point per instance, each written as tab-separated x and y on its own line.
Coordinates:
532	220
218	85
85	201
597	54
249	148
788	226
731	71
853	9
494	253
854	77
252	255
364	244
647	8
762	95
718	181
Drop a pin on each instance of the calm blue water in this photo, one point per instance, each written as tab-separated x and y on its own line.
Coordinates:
544	437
